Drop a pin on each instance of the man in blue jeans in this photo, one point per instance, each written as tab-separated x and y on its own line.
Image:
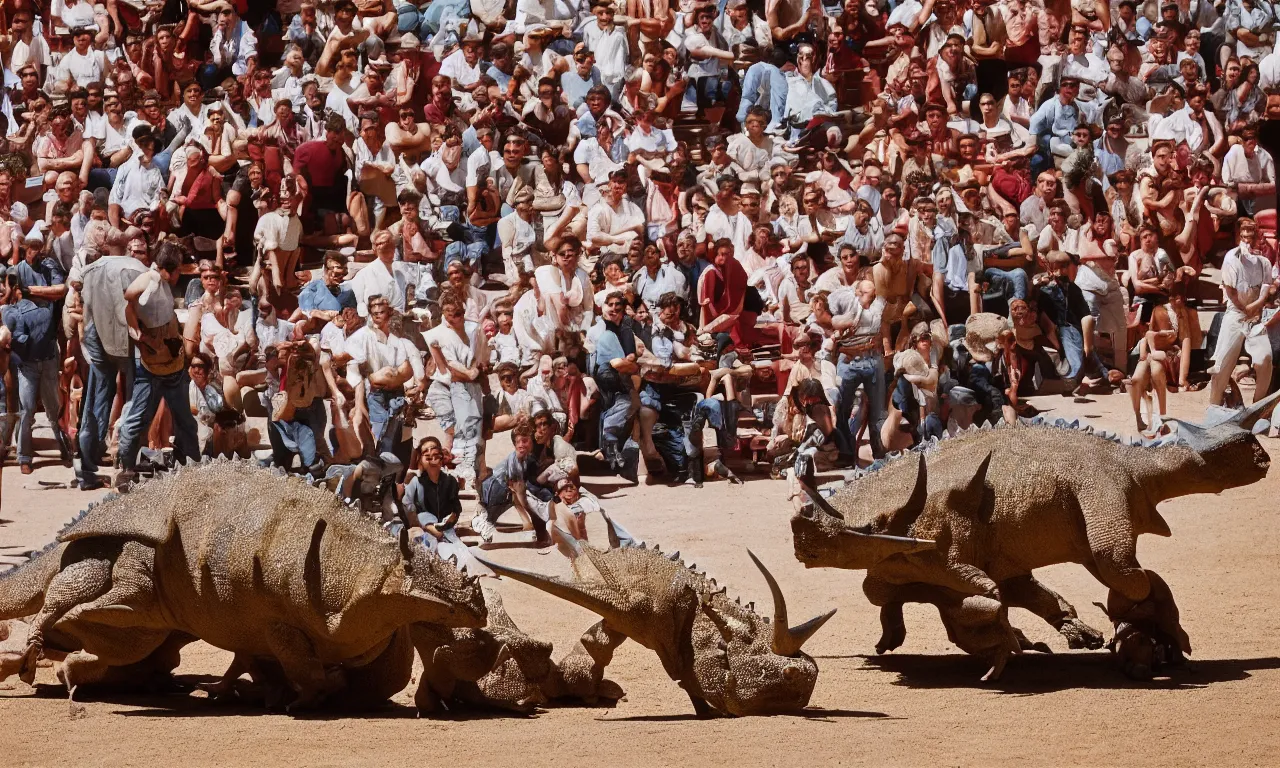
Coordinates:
851	316
764	85
35	354
107	349
159	364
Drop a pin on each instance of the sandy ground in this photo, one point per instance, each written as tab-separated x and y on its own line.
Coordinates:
921	705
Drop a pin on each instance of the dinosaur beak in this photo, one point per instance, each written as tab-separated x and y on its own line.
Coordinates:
787	639
883	544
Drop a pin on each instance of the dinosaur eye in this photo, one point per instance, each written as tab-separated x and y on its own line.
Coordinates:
791	672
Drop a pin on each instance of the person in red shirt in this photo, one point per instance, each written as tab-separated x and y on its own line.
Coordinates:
320	166
197	194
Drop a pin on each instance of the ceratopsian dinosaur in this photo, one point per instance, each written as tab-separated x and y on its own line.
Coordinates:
243	558
501	666
728	658
1001	502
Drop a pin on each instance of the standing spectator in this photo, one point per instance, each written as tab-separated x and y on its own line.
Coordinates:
34	347
160	365
455	395
1248	282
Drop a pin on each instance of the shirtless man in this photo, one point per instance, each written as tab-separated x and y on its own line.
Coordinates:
894	278
406	135
1162	205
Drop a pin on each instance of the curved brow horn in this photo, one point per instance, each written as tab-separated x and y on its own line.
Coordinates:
786	639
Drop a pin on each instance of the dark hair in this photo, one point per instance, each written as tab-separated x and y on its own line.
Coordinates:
671	299
408	196
169	257
335	123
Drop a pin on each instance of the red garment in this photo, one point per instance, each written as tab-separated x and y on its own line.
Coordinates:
322	166
437	116
202	191
726	290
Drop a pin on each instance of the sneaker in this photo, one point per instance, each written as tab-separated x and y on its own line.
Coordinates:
481	525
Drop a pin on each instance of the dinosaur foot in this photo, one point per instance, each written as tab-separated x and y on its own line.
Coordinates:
1143	651
29	663
1025	644
997	667
76	710
893	630
1080	635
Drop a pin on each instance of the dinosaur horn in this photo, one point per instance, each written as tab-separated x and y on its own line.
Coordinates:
1247	418
787	639
920	493
554	586
891	544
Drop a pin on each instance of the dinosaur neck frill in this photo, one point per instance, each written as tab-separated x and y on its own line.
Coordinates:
1170	471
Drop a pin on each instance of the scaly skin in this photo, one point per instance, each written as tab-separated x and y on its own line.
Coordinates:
502	667
728	658
256	563
1002	502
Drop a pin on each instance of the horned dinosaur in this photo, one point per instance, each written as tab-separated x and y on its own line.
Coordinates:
244	558
729	659
962	523
501	666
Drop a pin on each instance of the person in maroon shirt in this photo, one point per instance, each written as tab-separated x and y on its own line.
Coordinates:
320	164
198	194
441	109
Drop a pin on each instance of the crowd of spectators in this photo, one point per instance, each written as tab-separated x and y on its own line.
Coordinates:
686	238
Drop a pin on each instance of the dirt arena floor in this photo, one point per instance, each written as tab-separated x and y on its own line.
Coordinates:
920	705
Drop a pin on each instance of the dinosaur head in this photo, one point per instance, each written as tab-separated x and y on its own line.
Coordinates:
824	539
440	592
766	671
1228	446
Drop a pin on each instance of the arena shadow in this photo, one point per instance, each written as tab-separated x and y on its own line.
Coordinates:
808	713
1034	673
182	704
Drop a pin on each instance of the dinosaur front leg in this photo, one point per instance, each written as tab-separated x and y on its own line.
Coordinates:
1148	633
302	668
581	671
76	584
1027	592
893	630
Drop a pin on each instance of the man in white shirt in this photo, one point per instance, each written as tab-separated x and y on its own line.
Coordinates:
82	64
234	45
708	53
384	276
462	67
614	221
374	165
608	43
27	46
381	367
1248	283
808	94
1249	170
726	219
460	357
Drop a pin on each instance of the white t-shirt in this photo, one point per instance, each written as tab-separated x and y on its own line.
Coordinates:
455	66
86	69
709	67
455	350
367	346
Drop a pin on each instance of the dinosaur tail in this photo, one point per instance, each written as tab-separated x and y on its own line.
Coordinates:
22	588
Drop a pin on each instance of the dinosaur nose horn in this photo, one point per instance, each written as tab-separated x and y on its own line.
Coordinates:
787	639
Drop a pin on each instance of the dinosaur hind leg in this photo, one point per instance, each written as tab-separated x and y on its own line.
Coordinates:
1027	592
